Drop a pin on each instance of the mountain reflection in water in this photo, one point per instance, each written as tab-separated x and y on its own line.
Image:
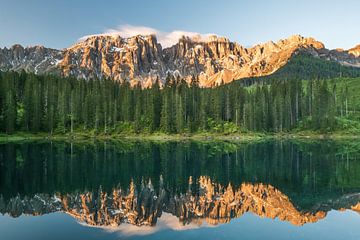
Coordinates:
107	184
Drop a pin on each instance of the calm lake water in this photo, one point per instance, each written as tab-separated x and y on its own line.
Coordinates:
180	190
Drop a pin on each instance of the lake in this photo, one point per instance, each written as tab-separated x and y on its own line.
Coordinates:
180	190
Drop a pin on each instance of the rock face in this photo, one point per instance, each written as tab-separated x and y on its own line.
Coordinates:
355	51
36	59
204	201
141	59
356	208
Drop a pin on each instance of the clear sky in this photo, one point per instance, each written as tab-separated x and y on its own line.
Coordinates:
60	23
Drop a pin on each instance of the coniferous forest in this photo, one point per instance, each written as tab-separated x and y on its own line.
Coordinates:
31	103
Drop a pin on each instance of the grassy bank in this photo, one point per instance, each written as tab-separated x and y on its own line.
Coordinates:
247	137
20	136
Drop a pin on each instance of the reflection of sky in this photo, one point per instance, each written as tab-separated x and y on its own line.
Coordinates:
337	225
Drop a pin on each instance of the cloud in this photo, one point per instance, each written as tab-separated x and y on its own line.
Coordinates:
126	31
167	39
167	221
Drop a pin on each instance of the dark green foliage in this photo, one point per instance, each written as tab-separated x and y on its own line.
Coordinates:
64	105
305	172
305	66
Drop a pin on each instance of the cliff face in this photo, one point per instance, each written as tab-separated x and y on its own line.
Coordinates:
141	59
133	59
36	59
210	202
355	51
213	62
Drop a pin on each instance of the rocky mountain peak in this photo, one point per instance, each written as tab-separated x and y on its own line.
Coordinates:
213	60
37	59
16	47
122	59
97	40
355	51
105	41
210	202
300	41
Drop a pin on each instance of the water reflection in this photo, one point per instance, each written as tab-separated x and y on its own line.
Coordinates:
107	184
213	204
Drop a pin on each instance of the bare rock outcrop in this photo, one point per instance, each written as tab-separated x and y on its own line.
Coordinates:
355	51
204	201
141	59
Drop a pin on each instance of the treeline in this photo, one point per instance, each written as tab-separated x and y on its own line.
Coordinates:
52	104
305	66
317	170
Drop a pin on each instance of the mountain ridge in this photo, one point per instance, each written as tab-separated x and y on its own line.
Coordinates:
141	59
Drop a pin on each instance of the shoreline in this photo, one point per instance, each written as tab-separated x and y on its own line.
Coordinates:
238	137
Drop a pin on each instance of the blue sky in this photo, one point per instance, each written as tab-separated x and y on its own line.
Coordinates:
60	23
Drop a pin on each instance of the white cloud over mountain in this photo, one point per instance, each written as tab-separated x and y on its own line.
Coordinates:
166	39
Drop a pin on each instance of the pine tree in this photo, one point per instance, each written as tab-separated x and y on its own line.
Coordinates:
10	106
165	121
179	114
47	103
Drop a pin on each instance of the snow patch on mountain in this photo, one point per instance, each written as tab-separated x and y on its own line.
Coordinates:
166	39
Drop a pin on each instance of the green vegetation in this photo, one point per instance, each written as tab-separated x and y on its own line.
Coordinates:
55	106
308	172
305	66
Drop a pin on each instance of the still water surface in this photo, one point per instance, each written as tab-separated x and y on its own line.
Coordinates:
180	190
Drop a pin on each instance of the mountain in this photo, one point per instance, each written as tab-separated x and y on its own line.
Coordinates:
142	59
36	59
355	51
210	202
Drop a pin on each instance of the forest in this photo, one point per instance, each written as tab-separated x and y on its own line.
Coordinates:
57	105
304	171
